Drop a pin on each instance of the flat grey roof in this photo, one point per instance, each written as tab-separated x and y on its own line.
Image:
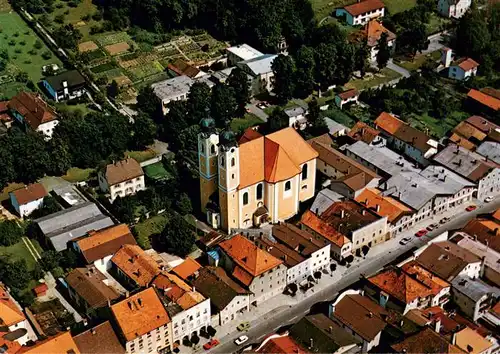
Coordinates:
325	198
172	87
245	52
491	150
65	225
334	127
260	65
473	289
295	111
382	158
70	195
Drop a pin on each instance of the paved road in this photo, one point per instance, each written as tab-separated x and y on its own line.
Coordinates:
398	69
252	107
288	314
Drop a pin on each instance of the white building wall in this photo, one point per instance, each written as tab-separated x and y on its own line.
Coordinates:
191	320
27	209
374	233
47	129
30	334
129	187
489	185
366	17
317	261
151	342
268	284
234	309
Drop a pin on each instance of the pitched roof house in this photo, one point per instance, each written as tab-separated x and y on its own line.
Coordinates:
100	339
122	178
453	8
485	99
361	12
370	35
67	85
134	266
187	269
60	343
362	131
27	199
426	341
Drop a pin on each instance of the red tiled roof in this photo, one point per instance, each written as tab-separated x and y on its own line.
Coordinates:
3	106
33	108
58	344
322	228
364	6
489	101
186	268
467	64
136	264
249	135
362	131
282	345
348	94
122	171
30	193
482	124
426	341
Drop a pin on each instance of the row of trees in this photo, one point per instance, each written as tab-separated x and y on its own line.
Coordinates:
77	141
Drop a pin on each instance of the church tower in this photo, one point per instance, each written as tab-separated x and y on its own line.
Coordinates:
229	180
208	141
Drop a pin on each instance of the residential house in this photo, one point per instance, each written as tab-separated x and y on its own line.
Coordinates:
448	261
370	35
259	179
335	128
13	321
471	132
60	343
472	166
394	288
174	89
320	334
453	8
228	299
100	339
97	247
65	86
179	67
462	69
440	289
89	290
254	268
302	254
134	267
362	131
32	111
296	117
28	199
487	100
412	142
359	316
68	224
473	296
241	52
399	216
426	341
490	150
325	198
280	344
340	246
5	117
188	309
260	71
122	178
188	269
346	97
470	341
143	323
8	344
361	12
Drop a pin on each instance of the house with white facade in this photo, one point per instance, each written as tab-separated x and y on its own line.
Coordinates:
297	117
143	323
453	8
349	96
30	110
241	52
370	34
361	12
28	199
473	296
255	269
65	86
228	299
122	178
174	89
260	71
13	319
457	69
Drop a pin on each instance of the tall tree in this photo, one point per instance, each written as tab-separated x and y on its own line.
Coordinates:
326	64
304	75
148	103
413	39
174	123
283	79
198	102
7	172
144	130
361	61
277	120
177	236
384	52
238	80
223	106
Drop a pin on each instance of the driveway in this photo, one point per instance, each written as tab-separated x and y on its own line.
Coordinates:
252	108
398	69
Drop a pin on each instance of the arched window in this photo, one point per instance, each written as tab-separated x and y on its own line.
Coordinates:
259	191
304	172
212	149
288	186
233	162
202	148
245	198
222	161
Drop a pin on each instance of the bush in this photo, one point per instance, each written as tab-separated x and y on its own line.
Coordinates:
10	233
97	16
59	18
47	55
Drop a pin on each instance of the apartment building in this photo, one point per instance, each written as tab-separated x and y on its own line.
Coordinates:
122	178
361	12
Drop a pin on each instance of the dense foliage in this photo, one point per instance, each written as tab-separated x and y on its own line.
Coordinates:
177	237
10	232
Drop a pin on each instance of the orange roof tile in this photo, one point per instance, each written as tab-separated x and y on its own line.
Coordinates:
364	6
282	345
136	264
122	171
319	226
362	131
496	215
33	108
242	275
187	268
30	193
463	142
468	338
248	256
388	122
397	283
426	341
9	312
435	283
489	101
61	343
468	64
190	299
373	31
469	131
140	314
9	346
387	206
278	165
249	135
348	94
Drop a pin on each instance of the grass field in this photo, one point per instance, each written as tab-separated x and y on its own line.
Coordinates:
20	251
141	156
18	39
157	172
362	84
419	61
249	120
437	127
11	89
395	6
149	227
76	174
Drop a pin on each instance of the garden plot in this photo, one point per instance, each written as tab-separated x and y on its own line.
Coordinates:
88	46
117	48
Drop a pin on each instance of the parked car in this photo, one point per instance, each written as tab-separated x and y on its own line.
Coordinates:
488	199
432	227
243	326
471	208
444	220
240	340
405	240
421	233
214	342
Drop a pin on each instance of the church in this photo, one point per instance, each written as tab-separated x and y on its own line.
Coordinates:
255	180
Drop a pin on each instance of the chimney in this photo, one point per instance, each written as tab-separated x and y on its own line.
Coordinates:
370	314
330	329
317	211
193	289
437	325
139	301
92	330
342	213
377	208
454	339
127	294
363	212
366	201
311	343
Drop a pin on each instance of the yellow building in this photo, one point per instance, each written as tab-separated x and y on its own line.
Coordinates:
254	180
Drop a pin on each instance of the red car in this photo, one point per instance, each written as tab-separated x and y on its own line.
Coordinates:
471	208
211	344
421	233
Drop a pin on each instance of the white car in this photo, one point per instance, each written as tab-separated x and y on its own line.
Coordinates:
240	340
405	240
488	199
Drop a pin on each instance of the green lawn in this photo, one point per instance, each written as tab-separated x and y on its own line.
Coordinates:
4	194
20	251
19	39
395	6
10	89
419	61
157	172
249	120
141	156
383	77
76	174
151	226
324	8
436	23
437	127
